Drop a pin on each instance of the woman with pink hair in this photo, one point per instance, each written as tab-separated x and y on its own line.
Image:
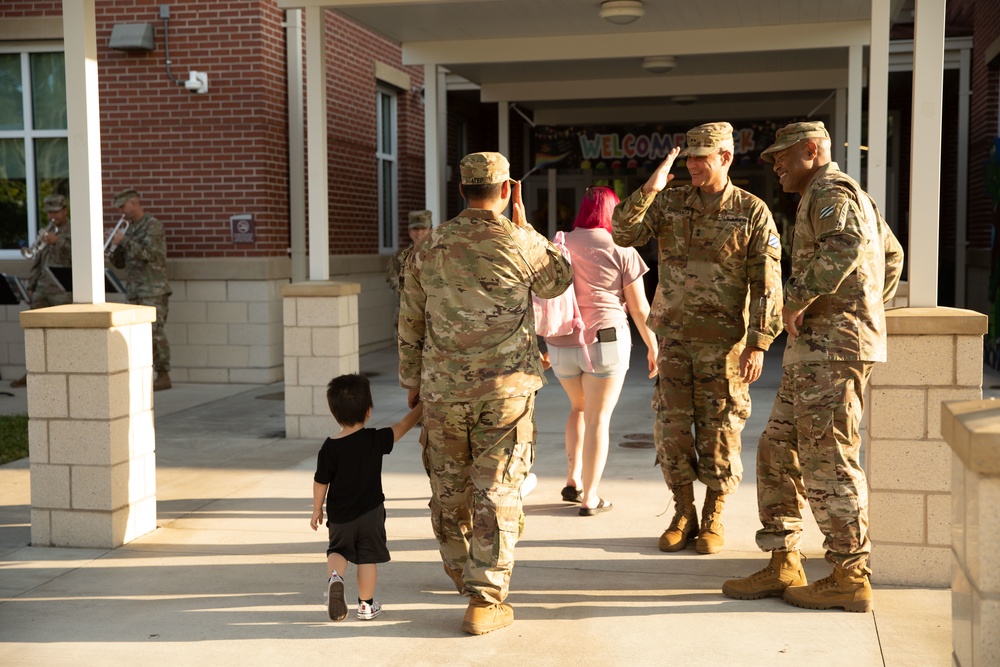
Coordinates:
607	280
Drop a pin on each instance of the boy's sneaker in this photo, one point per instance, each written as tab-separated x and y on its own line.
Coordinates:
367	612
336	605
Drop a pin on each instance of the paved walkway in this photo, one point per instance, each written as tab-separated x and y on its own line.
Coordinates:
234	575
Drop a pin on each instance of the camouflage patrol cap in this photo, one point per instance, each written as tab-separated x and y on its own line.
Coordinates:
705	139
484	168
420	220
54	203
124	196
792	134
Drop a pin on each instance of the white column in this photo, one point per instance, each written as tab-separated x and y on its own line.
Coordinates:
433	156
319	203
878	103
84	140
839	130
854	83
962	176
296	145
503	128
442	139
925	151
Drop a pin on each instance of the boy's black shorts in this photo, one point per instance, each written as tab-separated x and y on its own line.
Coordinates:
361	541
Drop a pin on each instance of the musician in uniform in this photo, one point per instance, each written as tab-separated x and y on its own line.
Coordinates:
55	250
142	251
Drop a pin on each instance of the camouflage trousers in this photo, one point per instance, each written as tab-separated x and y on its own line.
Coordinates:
161	346
699	384
478	455
809	450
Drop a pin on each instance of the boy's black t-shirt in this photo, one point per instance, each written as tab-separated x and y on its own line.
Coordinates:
352	466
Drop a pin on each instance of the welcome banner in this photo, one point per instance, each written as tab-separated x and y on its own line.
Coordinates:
634	147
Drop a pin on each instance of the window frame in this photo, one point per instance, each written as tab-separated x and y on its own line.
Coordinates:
388	227
28	134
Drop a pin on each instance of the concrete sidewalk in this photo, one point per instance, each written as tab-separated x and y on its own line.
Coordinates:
234	575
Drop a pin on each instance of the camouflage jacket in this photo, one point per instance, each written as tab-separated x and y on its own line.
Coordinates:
466	324
143	255
395	267
846	264
59	253
720	268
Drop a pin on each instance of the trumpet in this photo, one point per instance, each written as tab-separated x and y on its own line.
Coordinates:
32	250
109	244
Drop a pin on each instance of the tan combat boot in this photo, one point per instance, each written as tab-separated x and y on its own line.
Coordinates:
484	616
847	588
162	381
710	537
784	570
456	577
685	521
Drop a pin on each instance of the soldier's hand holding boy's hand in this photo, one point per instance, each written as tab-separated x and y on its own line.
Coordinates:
662	175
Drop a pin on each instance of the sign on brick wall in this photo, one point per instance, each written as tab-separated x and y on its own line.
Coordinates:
242	228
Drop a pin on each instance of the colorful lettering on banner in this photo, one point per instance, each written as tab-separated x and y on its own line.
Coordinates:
609	147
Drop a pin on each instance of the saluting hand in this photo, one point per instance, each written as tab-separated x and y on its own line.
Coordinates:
520	219
662	175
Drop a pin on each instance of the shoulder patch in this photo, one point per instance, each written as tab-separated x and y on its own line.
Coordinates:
826	212
774	242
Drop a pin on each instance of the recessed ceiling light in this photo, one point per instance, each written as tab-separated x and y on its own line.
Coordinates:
684	100
622	12
659	64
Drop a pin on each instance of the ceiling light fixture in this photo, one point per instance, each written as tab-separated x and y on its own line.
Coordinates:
659	64
622	12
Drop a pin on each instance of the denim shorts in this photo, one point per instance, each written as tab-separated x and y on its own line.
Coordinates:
568	362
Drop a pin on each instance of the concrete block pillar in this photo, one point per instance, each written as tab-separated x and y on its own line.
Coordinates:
972	430
321	342
935	355
90	414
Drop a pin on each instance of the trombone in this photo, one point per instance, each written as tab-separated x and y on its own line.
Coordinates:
109	244
32	250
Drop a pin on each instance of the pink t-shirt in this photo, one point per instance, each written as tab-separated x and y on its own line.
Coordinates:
601	272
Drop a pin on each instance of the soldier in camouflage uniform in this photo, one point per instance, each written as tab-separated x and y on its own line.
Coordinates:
846	264
56	251
142	252
716	310
419	227
468	351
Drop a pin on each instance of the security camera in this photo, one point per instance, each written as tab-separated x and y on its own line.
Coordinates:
197	82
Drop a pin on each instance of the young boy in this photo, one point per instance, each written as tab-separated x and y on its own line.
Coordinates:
350	465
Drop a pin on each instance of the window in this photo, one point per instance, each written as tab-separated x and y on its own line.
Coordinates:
34	158
386	154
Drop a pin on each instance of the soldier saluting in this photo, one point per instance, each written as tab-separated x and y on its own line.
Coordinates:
716	310
468	351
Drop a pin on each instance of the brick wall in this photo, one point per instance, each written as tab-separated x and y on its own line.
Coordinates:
983	120
351	89
199	159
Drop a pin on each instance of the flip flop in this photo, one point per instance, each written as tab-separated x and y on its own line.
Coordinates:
602	506
571	494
